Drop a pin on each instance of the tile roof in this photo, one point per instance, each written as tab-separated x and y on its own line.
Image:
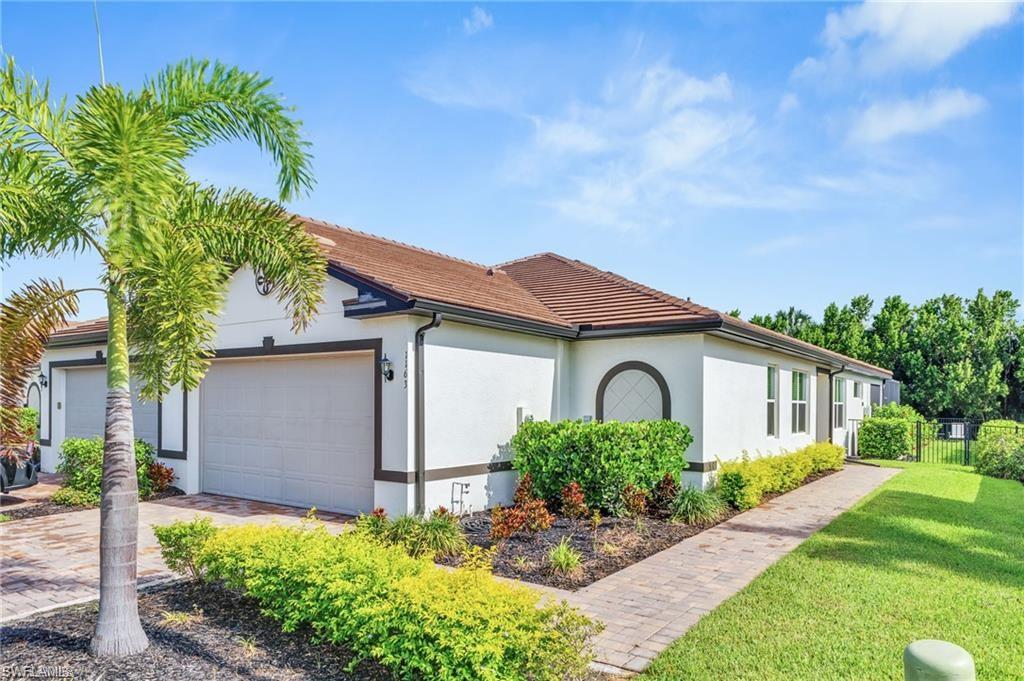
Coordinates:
422	274
546	288
586	296
82	327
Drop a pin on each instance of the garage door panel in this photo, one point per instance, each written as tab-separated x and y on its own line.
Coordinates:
85	404
296	431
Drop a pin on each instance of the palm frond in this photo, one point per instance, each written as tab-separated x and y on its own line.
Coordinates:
42	205
131	155
211	102
241	229
27	319
174	294
28	118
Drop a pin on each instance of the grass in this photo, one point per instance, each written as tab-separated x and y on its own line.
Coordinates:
936	552
4	518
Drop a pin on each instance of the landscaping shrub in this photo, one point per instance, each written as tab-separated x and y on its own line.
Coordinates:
999	450
665	493
81	463
65	496
181	543
419	620
885	438
564	559
603	457
744	483
524	490
438	536
530	516
694	506
573	504
160	476
633	501
28	421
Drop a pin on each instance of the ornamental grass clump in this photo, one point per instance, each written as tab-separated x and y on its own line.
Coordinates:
439	536
696	507
564	559
416	619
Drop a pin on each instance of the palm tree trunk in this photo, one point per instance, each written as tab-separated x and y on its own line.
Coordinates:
118	630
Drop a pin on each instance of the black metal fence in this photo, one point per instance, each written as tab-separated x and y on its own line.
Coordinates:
942	440
950	440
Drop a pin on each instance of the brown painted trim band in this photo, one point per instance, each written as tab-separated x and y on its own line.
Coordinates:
702	466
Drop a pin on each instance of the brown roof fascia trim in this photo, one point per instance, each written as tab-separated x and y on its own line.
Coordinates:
71	340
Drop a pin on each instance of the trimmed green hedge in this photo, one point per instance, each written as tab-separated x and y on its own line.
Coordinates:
999	450
603	457
744	483
81	463
419	620
885	438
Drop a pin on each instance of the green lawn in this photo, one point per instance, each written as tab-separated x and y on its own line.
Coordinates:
936	552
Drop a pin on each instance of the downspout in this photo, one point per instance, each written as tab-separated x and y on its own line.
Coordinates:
418	411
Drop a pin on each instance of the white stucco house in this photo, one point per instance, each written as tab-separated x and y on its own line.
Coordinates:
407	388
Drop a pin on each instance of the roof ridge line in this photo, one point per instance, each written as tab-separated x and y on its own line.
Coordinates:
395	242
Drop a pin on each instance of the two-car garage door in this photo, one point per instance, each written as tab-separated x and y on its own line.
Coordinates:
297	431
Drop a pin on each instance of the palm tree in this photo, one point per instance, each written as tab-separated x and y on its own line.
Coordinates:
107	174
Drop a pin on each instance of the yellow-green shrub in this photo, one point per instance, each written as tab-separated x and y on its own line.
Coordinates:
745	482
419	620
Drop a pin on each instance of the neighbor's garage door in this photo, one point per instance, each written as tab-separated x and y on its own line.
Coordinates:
292	431
85	402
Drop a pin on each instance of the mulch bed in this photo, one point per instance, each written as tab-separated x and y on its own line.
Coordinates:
617	544
46	507
227	638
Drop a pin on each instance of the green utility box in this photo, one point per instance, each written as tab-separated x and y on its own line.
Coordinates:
929	660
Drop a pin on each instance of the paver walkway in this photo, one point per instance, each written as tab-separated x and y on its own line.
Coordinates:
649	604
53	561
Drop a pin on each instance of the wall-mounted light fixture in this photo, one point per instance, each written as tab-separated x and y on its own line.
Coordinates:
387	370
42	379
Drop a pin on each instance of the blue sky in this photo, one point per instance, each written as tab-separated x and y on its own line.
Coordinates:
753	156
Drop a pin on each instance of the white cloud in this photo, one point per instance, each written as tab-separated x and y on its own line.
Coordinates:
478	20
880	37
883	121
788	102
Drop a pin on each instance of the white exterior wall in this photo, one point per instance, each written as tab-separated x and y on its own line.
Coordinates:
857	408
736	397
477	382
679	360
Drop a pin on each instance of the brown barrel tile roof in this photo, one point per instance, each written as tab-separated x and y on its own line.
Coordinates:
82	328
584	295
419	273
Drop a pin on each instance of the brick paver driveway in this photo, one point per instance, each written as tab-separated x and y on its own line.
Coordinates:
53	560
649	604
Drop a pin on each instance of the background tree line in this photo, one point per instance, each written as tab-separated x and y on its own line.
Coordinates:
954	356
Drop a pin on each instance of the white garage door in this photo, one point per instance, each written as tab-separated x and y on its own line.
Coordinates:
85	402
291	431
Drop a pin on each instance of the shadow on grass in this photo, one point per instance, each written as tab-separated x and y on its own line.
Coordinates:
980	538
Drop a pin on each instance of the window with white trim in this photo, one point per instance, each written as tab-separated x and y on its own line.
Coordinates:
799	403
773	401
839	403
858	389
